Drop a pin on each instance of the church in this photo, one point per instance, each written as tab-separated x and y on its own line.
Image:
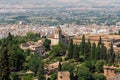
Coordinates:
58	37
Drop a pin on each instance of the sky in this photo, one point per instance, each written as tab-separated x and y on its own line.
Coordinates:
5	3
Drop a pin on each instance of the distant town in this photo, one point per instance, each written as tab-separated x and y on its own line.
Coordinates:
60	40
21	29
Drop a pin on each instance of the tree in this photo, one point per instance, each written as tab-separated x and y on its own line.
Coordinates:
32	36
70	49
11	57
16	58
111	55
27	77
40	72
87	49
36	65
119	32
98	52
83	45
67	67
99	49
10	37
93	52
90	65
53	76
15	76
100	41
4	64
59	66
118	58
46	44
76	52
99	77
58	50
103	52
33	63
83	73
99	66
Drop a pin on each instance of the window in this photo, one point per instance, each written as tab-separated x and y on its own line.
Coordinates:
61	77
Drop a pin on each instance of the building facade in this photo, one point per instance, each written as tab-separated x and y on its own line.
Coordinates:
58	37
63	75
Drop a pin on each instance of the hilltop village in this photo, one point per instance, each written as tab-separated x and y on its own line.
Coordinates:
59	39
55	55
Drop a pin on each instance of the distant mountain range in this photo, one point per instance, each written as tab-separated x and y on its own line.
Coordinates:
57	3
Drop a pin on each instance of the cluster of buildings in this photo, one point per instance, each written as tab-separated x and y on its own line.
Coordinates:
36	47
23	28
111	72
62	34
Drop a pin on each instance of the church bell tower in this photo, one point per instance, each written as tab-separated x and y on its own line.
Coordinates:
57	33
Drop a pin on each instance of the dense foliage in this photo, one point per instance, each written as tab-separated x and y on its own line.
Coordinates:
84	61
13	59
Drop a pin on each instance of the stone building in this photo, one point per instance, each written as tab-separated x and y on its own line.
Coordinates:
52	67
63	75
110	73
36	47
58	37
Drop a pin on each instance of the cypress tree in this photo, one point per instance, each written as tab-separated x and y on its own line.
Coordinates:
100	41
83	45
59	67
118	58
70	49
111	55
87	49
76	52
89	44
93	52
119	32
98	52
40	69
103	52
4	64
100	49
40	73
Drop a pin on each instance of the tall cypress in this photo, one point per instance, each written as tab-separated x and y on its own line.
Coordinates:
111	55
83	45
100	41
70	49
4	64
40	72
76	52
87	49
103	52
99	49
93	52
98	52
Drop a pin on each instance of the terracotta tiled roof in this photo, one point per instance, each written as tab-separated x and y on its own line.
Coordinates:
51	36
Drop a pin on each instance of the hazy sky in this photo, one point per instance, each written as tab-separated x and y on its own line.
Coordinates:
5	3
47	1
